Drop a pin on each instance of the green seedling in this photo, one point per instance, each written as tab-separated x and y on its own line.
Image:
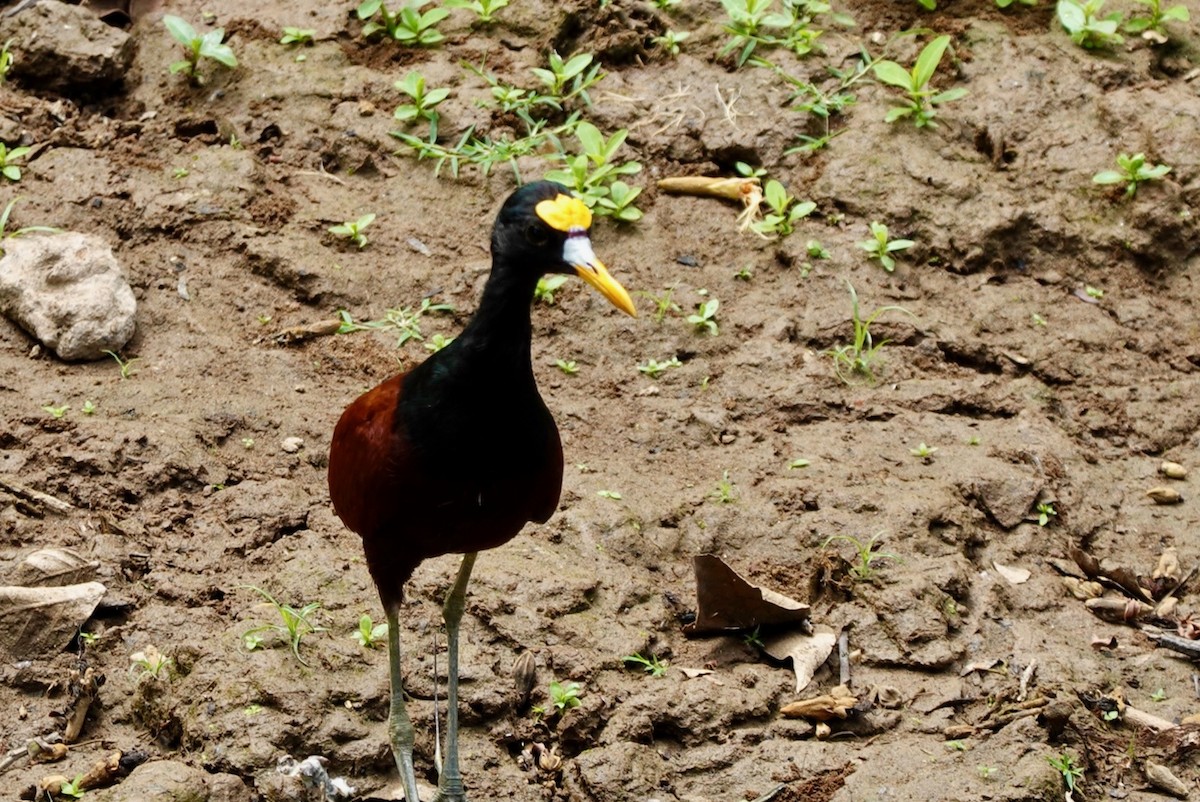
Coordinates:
296	624
180	173
7	213
353	230
857	358
1093	292
1132	173
247	443
752	24
653	368
7	155
565	697
565	80
437	342
799	463
125	365
89	638
670	41
986	772
923	452
1045	511
1081	19
408	26
662	303
922	100
546	287
705	318
881	248
6	60
56	412
723	492
593	173
754	639
406	321
815	250
72	788
1064	764
424	102
369	634
611	495
957	745
744	274
197	47
567	366
1158	696
866	554
667	5
485	10
149	663
88	407
651	665
1156	21
297	36
784	212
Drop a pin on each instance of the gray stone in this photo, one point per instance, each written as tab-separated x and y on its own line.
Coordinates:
169	781
68	291
66	48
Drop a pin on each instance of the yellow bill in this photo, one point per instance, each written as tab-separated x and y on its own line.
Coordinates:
577	252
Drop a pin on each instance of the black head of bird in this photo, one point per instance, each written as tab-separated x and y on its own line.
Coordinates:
459	453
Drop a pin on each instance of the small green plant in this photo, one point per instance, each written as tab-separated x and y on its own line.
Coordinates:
296	624
866	554
437	342
651	665
799	463
197	47
922	100
369	634
7	155
1081	19
7	213
667	5
670	41
424	102
565	697
611	495
985	772
180	173
125	365
653	368
485	10
662	303
88	408
923	452
957	745
546	287
752	24
247	443
1133	172
56	412
406	321
352	230
1045	511
408	26
856	358
723	493
89	638
1156	21
705	318
816	250
6	60
593	174
1093	292
1064	764
149	662
567	366
754	639
297	36
1158	696
881	248
72	788
565	80
784	212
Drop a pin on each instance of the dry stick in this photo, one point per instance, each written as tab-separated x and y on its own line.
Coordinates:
1165	640
844	658
1147	720
36	496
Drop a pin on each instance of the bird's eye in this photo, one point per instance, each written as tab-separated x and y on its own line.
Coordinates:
537	235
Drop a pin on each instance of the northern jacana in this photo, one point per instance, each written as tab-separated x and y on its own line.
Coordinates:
459	453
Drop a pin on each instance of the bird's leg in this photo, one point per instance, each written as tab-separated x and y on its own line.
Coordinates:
400	727
450	784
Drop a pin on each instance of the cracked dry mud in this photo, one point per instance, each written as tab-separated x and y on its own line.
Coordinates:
1030	389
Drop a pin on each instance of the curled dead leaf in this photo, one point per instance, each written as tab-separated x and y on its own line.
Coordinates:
1164	495
836	704
807	652
1164	779
1083	589
1168	565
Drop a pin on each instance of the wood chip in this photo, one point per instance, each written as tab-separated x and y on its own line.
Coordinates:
1014	576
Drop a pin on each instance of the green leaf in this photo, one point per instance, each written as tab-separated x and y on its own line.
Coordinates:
180	66
1179	13
892	73
898	113
436	96
1108	177
590	138
927	62
16	153
433	16
576	65
368	9
1071	15
776	195
900	245
800	210
412	84
956	93
11	172
1155	172
180	29
889	264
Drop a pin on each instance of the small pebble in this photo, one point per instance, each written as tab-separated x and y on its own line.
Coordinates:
292	444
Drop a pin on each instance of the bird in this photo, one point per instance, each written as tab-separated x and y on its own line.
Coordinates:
457	454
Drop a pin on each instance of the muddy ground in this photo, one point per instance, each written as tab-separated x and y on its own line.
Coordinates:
1031	389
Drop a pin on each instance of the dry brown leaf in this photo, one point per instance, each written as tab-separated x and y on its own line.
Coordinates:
726	601
55	566
1015	576
836	704
807	652
37	621
692	673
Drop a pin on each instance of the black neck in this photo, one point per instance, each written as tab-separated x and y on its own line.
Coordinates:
501	329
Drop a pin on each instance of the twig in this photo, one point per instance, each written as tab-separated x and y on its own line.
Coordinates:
1175	643
36	496
844	658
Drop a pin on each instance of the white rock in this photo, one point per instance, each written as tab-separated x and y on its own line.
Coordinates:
68	291
292	444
